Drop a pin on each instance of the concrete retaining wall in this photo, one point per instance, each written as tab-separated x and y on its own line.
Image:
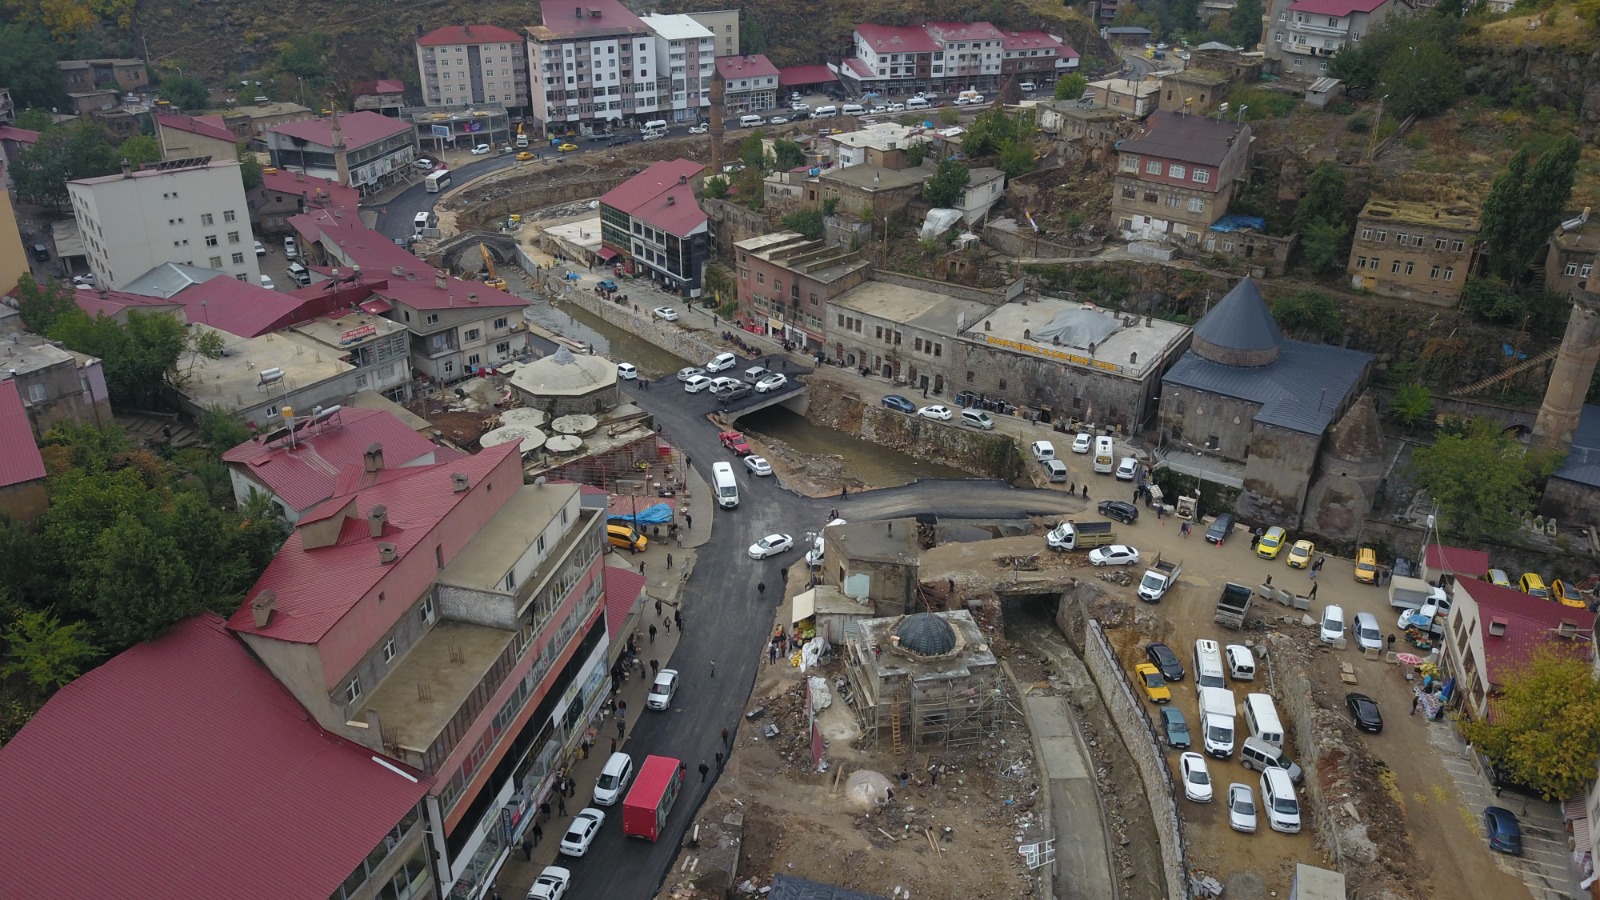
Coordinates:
684	344
1295	702
980	452
1027	245
981	295
481	203
1144	745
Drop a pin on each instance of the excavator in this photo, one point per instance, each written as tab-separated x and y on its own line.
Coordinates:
489	277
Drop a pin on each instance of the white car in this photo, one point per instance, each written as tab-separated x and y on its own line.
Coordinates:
266	282
1191	770
1083	443
85	280
481	150
1114	555
581	833
696	384
698	129
551	884
663	690
941	413
770	545
800	106
1241	808
723	383
261	249
878	110
778	120
688	372
772	382
666	313
1365	628
722	362
1127	469
627	371
1332	623
423	165
757	465
291	250
897	107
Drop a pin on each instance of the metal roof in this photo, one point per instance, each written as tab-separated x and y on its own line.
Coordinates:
1300	391
357	129
1240	321
1456	560
20	461
451	35
1583	460
623	588
202	775
1188	137
663	196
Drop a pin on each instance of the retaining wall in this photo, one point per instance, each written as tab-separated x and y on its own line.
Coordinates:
682	343
1295	701
1027	245
986	453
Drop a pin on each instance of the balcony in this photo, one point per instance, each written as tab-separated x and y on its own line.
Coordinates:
1308	50
1322	30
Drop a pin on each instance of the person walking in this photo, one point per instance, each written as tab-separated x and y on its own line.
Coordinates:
688	521
726	741
677	618
655	667
544	810
658	607
561	805
621	729
761	588
527	849
613	745
538	835
669	561
844	493
704	771
1415	699
666	622
719	760
1313	594
1086	490
713	668
652	634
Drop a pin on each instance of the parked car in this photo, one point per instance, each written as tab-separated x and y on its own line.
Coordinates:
698	129
1332	623
1403	568
1300	554
525	156
1083	443
1155	687
696	383
666	313
1503	829
1241	808
261	249
627	371
266	282
567	148
481	150
1221	527
620	140
1196	777
778	120
607	285
1364	710
1164	659
688	372
1175	727
1121	510
551	884
422	165
1114	555
771	545
721	362
722	384
757	465
1127	469
941	413
897	402
773	382
581	833
1495	576
291	250
1271	543
663	690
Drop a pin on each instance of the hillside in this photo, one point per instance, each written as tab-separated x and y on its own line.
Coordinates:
225	41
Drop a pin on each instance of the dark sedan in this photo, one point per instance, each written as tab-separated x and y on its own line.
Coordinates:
1364	710
1505	832
1162	657
1176	728
1121	510
895	401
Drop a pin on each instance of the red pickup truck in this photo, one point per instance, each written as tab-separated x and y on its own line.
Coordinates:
735	441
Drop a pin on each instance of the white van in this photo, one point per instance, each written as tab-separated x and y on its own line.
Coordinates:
1208	664
1261	717
977	418
825	112
917	103
614	779
1103	455
655	125
1279	802
1241	662
421	221
727	487
1056	470
299	274
852	109
751	121
1043	450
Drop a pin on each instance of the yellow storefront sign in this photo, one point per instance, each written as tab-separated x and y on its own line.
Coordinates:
1058	355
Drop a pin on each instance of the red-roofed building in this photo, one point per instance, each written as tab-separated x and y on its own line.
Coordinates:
1302	35
364	150
386	96
461	584
591	35
13	141
625	598
654	220
950	56
186	137
207	780
348	451
1492	630
115	304
750	83
807	79
22	492
969	53
246	310
464	65
1456	562
1036	56
284	194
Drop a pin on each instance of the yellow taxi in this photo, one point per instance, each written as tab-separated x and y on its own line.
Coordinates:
525	156
1300	554
1498	576
1271	543
1564	596
1534	586
626	537
567	148
1366	566
1155	686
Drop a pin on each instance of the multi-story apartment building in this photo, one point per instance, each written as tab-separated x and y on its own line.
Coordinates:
593	62
363	150
1570	261
1419	251
181	211
462	65
122	75
786	282
1302	35
950	56
890	59
450	618
969	53
654	220
724	24
686	51
1036	56
456	326
750	83
1178	177
186	137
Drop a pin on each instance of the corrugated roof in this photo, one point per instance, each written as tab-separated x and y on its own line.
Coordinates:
623	588
1583	459
1037	40
1338	8
197	776
895	39
238	307
315	588
656	196
320	193
20	461
205	126
167	279
791	75
751	65
1187	137
1240	321
112	302
1299	391
469	34
571	21
311	470
358	129
962	31
1469	563
1530	623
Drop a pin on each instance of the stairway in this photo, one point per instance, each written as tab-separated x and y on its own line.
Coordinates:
1479	386
144	429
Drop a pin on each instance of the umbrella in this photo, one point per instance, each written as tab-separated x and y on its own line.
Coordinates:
1410	659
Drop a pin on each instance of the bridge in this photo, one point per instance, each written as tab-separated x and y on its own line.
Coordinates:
448	254
795	395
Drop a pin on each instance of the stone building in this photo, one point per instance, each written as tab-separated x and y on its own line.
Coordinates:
1249	409
1178	177
1192	90
1570	259
902	332
865	191
1417	251
786	282
875	562
924	678
565	382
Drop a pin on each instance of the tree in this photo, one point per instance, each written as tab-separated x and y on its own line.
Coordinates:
151	351
1010	93
1246	23
752	36
1017	157
140	149
44	652
302	54
1422	80
1308	313
28	66
1524	206
139	582
1325	196
34	119
1413	405
1482	479
1324	246
808	222
716	187
249	168
788	154
987	132
220	429
41	305
949	181
186	92
1546	729
82	150
754	155
1071	87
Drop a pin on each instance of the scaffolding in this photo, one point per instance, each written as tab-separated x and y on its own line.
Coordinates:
950	700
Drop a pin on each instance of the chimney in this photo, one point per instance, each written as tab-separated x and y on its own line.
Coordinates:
376	519
671	200
683	179
374	458
263	606
387	553
577	11
458	481
438	280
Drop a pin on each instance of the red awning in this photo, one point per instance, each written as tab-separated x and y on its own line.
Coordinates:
605	253
376	306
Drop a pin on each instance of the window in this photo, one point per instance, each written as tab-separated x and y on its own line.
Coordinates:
1400	237
1410	267
1196	205
216	262
1584	272
1382	236
1175	171
1449	273
761	278
1457	246
431	319
501	323
211	240
425	611
1153	167
1361	262
1129	192
227	215
471	335
233	237
352	691
1201	176
36	393
205	219
1439	244
1152	197
1434	273
1174	201
388	650
1366	234
1130	163
1395	269
238	259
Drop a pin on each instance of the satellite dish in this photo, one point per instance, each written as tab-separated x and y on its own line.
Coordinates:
539	482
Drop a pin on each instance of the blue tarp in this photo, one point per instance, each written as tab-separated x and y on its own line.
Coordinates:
1239	223
658	514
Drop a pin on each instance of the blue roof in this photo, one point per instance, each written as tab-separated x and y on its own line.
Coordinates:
1583	460
1299	391
1239	223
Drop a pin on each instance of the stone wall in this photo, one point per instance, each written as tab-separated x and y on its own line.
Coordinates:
1295	704
684	344
1278	474
1034	381
478	206
984	453
1023	243
733	222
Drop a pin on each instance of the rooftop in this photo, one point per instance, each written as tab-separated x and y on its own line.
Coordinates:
1140	88
451	35
662	195
358	129
20	461
1470	563
205	126
384	85
483	563
319	192
747	66
564	373
167	279
939	313
590	19
813	259
881	136
1187	137
160	170
1130	351
1529	623
895	39
440	291
1037	40
269	110
971	656
232	779
798	75
233	382
238	307
1197	76
111	303
343	330
1240	321
1455	217
676	27
446	665
623	589
868	177
1583	460
874	541
948	32
25	353
1337	8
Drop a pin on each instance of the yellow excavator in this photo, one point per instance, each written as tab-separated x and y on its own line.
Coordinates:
489	277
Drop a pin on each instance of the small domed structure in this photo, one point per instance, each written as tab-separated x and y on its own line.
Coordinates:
926	634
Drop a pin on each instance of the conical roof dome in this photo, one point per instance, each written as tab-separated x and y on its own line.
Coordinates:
925	634
1239	330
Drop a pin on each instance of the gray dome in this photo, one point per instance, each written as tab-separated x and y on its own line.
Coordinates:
1239	330
925	634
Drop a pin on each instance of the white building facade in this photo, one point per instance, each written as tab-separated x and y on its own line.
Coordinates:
1302	35
686	53
462	65
594	62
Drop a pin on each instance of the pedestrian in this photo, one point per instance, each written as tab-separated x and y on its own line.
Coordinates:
719	760
1183	530
833	513
622	707
641	567
1313	594
655	666
1255	538
704	771
527	848
666	622
621	729
658	607
1086	490
538	835
725	740
1415	699
888	796
761	588
561	805
772	652
1072	487
677	618
544	809
1269	581
652	634
905	778
713	668
683	769
1391	643
585	744
613	745
844	493
933	774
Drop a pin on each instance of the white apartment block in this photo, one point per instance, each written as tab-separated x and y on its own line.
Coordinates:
969	52
463	65
190	211
749	83
686	51
593	62
1302	35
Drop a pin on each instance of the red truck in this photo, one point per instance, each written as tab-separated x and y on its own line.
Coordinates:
735	441
655	789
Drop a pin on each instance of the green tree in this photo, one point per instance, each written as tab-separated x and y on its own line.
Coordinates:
754	155
987	132
1325	196
1413	405
140	149
716	187
1017	157
82	150
949	181
718	282
221	429
948	116
151	351
249	168
1482	479
808	222
1524	206
1010	93
1422	80
41	305
1246	23
186	92
34	119
45	652
1308	313
1324	247
303	54
788	154
28	66
1546	729
139	582
1071	87
752	36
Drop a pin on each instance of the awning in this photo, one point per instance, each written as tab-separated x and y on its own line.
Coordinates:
376	306
774	326
606	253
805	606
